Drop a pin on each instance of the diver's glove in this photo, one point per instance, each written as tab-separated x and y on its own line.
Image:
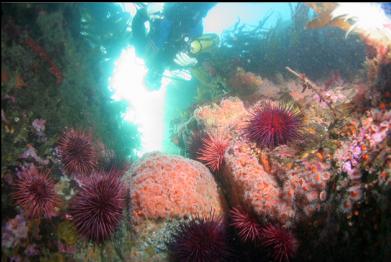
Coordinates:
184	59
181	74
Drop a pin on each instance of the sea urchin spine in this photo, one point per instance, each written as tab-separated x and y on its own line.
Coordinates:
97	207
272	125
213	149
247	227
34	192
200	240
282	243
77	152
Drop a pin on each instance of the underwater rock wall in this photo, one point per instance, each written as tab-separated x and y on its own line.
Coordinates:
322	186
51	83
251	186
269	194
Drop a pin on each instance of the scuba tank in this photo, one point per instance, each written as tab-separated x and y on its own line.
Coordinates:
204	43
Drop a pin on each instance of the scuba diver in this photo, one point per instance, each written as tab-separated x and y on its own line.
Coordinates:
386	8
169	36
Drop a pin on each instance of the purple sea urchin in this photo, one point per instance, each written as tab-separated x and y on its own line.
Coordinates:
34	192
283	244
77	152
272	125
97	207
200	240
247	227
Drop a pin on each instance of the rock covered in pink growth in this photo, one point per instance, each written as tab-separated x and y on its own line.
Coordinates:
39	125
32	250
163	186
306	185
14	231
32	153
251	186
374	129
375	126
336	95
228	114
285	193
350	157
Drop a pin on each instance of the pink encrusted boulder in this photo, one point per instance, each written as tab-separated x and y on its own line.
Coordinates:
165	190
286	193
227	115
164	186
251	187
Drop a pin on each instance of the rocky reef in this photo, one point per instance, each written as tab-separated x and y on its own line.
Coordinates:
284	166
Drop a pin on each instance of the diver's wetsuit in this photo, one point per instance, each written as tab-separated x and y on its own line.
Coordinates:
166	36
139	31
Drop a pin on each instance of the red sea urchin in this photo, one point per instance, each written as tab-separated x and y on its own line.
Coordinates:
34	192
77	152
97	207
200	240
283	244
272	125
213	149
247	227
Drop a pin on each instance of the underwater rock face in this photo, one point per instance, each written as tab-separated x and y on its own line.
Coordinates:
305	187
282	194
250	185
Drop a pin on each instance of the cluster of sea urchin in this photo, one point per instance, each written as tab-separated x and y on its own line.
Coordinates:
279	242
97	207
273	124
34	192
77	152
200	240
